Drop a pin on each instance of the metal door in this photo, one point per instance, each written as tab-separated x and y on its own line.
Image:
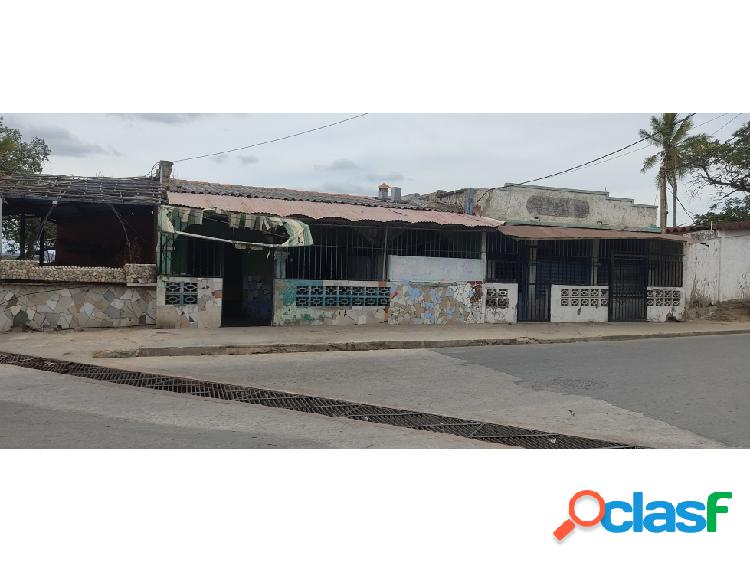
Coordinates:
533	293
628	282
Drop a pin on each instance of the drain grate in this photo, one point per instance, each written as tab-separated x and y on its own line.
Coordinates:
471	429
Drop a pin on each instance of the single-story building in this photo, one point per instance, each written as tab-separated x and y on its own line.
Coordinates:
179	253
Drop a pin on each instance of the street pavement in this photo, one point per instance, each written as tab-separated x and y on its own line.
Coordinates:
673	392
47	410
670	392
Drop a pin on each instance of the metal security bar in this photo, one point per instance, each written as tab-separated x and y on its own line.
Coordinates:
359	253
665	260
190	257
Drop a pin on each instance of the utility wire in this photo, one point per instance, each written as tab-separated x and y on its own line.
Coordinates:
273	140
646	146
573	168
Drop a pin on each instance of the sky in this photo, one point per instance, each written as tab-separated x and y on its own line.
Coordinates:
418	152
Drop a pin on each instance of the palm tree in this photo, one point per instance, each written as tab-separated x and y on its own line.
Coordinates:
668	134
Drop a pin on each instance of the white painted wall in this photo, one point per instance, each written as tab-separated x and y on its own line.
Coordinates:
701	266
661	304
573	303
497	314
423	269
717	267
734	279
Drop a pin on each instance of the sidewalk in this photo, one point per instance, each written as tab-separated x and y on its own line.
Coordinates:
151	342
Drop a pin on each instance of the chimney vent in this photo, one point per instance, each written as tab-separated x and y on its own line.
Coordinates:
383	191
165	170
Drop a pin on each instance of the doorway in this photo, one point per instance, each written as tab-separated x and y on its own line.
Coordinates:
627	289
248	287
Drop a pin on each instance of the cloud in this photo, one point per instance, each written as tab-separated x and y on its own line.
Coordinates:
220	158
63	143
164	118
393	176
249	159
339	164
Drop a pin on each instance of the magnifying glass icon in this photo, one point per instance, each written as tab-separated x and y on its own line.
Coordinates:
562	531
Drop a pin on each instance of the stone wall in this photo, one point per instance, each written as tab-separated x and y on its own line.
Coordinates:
26	270
47	306
188	302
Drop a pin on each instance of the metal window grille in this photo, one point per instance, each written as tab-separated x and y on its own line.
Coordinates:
191	257
359	252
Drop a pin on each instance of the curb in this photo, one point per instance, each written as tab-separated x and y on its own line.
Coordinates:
260	349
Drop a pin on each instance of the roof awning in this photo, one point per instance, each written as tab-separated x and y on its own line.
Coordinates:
175	220
532	232
318	210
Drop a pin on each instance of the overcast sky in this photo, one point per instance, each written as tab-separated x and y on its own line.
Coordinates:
418	152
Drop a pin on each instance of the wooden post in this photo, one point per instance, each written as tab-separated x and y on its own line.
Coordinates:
22	236
41	247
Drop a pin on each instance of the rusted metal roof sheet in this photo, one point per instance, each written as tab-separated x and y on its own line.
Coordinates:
319	210
531	232
113	191
209	188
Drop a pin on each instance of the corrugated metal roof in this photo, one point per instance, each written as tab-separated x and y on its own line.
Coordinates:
531	232
208	188
319	210
114	191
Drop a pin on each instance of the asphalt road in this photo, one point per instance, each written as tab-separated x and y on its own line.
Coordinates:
672	392
47	410
701	384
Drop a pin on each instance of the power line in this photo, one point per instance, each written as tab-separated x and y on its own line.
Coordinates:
645	147
725	124
573	168
272	140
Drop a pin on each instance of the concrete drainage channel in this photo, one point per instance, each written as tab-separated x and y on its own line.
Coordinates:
470	429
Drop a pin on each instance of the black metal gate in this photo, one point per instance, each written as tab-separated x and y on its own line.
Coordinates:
534	302
534	290
628	282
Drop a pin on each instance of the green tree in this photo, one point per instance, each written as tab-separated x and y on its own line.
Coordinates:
668	133
18	156
22	157
732	210
723	166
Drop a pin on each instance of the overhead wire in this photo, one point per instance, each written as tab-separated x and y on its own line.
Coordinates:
277	139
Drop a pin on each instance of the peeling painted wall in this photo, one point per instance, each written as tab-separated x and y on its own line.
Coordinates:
188	302
436	303
337	303
501	303
306	302
46	306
